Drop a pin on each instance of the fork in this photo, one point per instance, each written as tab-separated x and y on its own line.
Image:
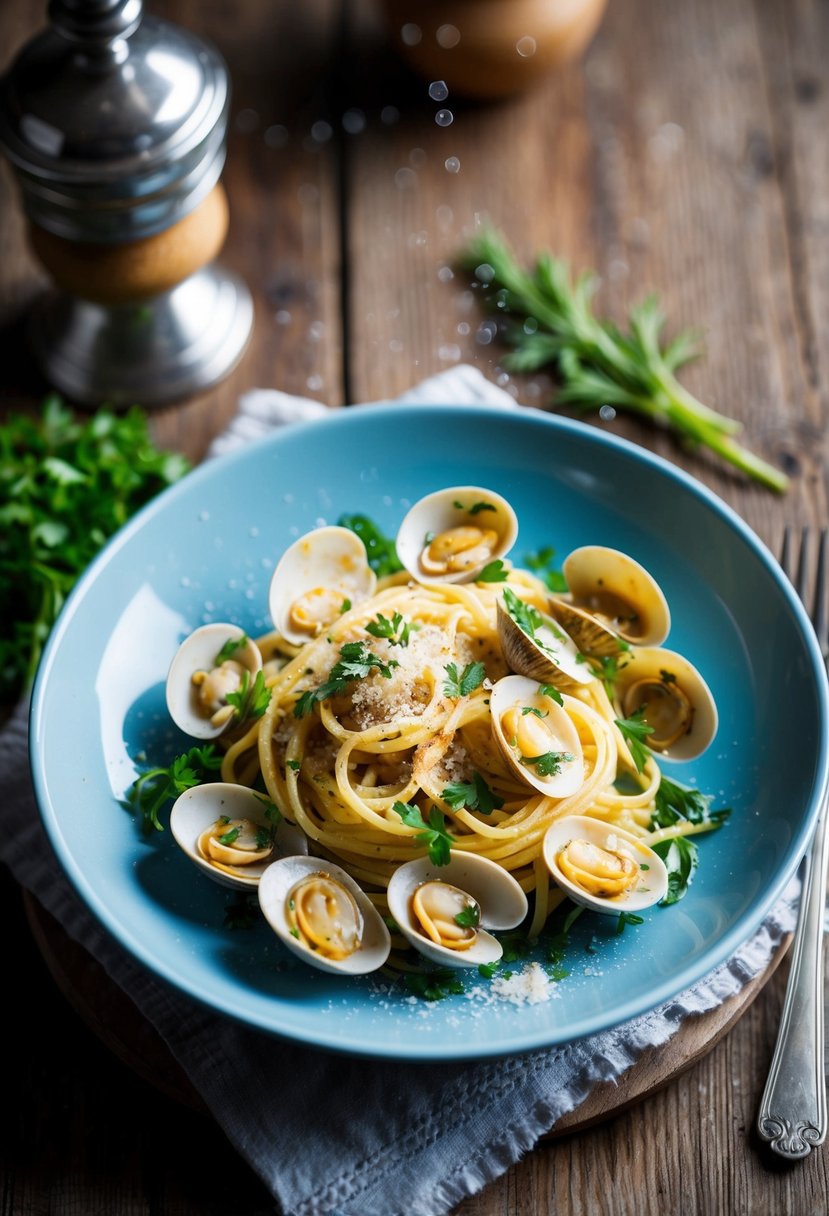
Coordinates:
792	1115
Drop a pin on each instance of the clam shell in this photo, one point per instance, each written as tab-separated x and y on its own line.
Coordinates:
457	506
502	902
524	692
198	652
195	810
650	887
274	888
332	558
550	656
611	597
665	670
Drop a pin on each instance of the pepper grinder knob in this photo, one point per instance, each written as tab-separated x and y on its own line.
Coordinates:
115	124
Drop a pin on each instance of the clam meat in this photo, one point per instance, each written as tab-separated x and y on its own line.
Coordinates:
603	867
613	602
216	662
672	698
451	535
536	736
318	578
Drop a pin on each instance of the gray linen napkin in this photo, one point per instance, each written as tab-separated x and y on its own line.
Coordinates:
397	1139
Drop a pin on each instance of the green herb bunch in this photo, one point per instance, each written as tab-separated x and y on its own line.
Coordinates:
550	322
65	487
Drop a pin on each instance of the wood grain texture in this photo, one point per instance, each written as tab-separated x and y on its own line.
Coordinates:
687	155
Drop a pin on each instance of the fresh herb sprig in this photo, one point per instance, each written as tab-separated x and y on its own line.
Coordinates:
65	487
251	699
150	792
461	684
551	322
474	795
433	834
396	630
381	551
635	731
355	663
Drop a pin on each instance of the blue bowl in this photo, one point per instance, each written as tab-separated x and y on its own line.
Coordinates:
205	549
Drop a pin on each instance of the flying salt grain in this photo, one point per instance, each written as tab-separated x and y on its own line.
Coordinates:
411	34
444	118
452	164
321	131
405	179
438	90
526	46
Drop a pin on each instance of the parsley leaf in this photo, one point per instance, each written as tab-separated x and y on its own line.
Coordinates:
476	507
609	666
355	663
525	615
432	834
634	732
395	630
230	836
549	764
628	918
229	649
380	549
550	690
674	802
157	786
470	917
493	572
434	985
476	795
541	563
251	700
462	685
681	858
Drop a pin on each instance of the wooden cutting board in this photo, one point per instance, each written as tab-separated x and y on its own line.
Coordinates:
112	1016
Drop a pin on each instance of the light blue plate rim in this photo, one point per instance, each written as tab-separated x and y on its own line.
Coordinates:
343	1040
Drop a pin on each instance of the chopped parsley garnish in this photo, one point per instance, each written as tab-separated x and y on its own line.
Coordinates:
382	555
462	685
541	564
434	985
675	802
396	630
476	507
493	572
229	649
549	764
345	606
681	858
294	764
634	732
432	834
153	789
609	666
475	795
525	616
251	700
628	918
470	917
550	690
231	836
355	663
533	709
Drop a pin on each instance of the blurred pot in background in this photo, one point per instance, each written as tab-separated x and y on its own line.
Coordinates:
490	48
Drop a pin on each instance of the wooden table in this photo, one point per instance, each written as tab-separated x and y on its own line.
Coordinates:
687	155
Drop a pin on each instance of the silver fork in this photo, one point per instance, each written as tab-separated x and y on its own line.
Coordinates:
792	1116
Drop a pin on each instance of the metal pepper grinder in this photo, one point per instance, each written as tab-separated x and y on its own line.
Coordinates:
115	124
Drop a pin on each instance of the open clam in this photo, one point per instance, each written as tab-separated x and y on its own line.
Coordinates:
231	833
611	599
445	912
602	867
451	535
535	645
536	736
318	578
673	697
213	662
323	917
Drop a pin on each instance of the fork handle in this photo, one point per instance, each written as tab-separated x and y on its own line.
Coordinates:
792	1114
